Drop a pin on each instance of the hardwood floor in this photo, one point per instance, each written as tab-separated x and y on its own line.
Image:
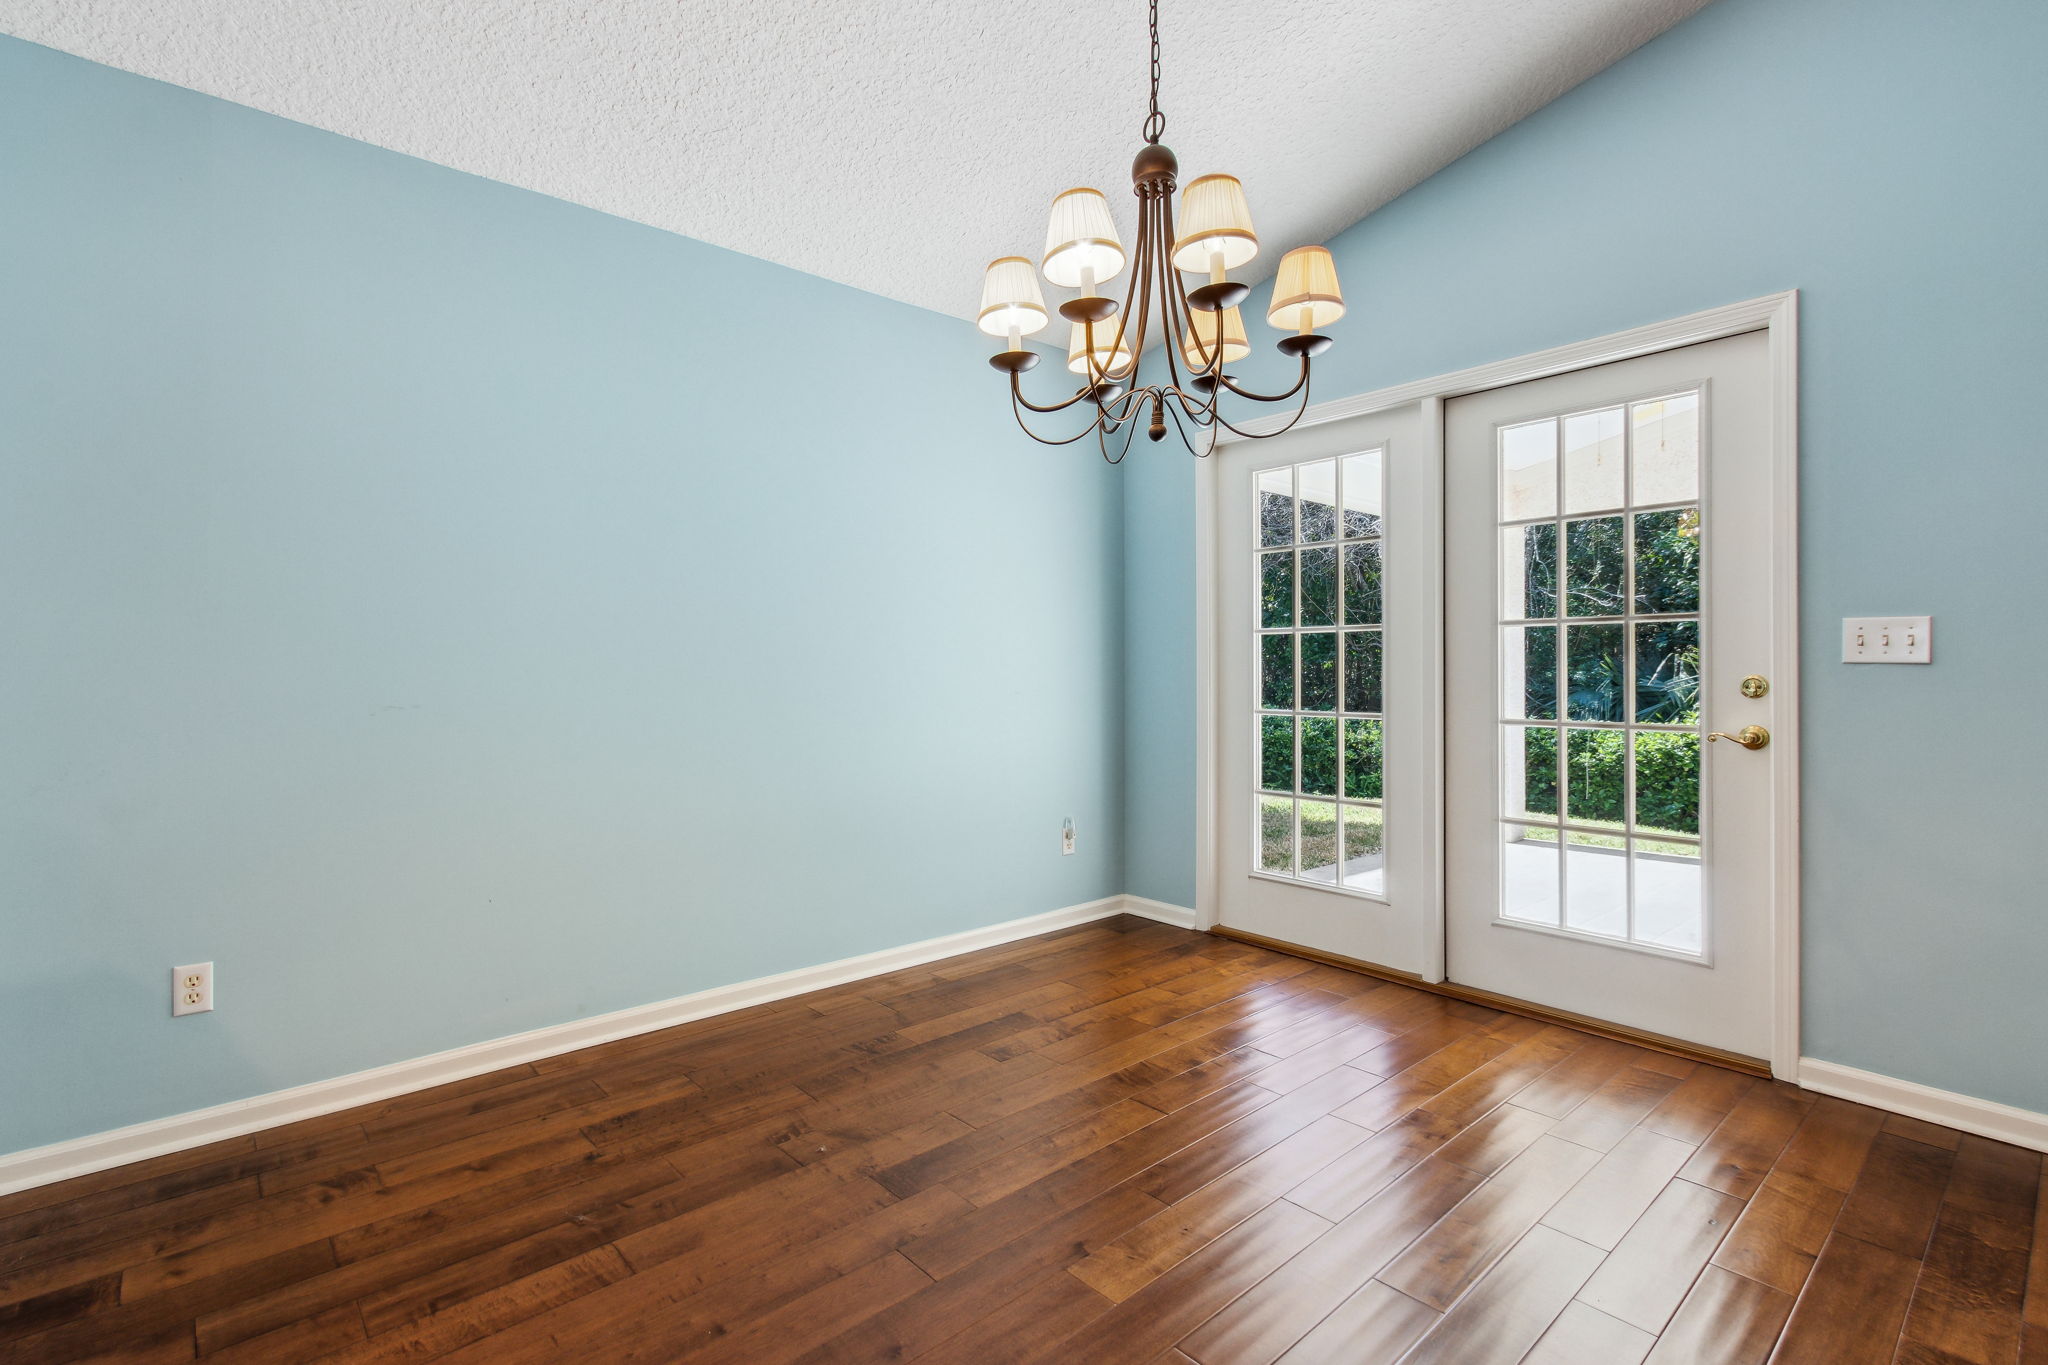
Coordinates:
1119	1143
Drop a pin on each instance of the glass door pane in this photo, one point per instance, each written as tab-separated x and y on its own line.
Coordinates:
1600	656
1318	565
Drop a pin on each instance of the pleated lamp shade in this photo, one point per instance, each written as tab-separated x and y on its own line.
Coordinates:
1214	219
1198	343
1010	298
1081	236
1111	351
1305	292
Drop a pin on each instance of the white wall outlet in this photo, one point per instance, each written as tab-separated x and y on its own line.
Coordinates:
192	989
1067	835
1887	639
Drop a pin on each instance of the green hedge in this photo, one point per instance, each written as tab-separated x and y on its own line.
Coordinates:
1364	757
1667	778
1667	770
1597	552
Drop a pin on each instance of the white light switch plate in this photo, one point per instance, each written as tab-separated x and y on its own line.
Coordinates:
1887	639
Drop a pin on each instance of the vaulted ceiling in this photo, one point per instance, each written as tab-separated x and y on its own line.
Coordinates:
894	145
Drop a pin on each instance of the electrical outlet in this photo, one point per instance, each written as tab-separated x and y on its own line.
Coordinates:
192	989
1067	835
1887	639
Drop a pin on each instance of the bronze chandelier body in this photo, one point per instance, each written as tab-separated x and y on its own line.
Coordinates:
1199	326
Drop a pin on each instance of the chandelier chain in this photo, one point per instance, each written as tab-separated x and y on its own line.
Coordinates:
1155	122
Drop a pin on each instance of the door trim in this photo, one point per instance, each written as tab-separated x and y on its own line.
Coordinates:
1775	314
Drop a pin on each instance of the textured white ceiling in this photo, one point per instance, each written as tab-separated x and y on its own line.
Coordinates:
894	145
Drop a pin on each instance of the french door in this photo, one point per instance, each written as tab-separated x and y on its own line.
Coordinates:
1608	609
1327	545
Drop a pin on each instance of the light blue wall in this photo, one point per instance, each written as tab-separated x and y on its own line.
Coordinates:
1159	674
420	598
453	611
1886	158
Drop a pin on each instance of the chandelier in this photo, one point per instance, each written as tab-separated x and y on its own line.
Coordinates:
1201	328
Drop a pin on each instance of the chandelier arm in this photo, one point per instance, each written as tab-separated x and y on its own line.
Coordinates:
1145	293
1207	416
1158	217
1211	351
1173	299
1299	385
1140	294
1141	283
1185	315
1171	304
1210	408
1300	409
1017	397
1148	214
1207	450
1199	410
1099	373
1128	401
1102	440
1114	412
1207	411
1106	374
1016	411
1091	376
1094	372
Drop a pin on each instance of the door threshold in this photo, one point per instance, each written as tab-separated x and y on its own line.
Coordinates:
1621	1033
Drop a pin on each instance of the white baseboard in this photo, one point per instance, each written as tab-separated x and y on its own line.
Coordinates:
1179	916
118	1147
138	1142
2021	1127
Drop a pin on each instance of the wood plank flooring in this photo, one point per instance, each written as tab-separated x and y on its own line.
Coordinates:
1120	1143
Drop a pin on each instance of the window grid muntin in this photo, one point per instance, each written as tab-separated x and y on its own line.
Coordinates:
1341	630
1561	825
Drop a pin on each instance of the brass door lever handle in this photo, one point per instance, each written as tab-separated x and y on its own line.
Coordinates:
1749	736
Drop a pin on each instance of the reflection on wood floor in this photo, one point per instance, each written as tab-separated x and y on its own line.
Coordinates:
1119	1143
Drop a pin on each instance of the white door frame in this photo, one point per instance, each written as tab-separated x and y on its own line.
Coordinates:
1776	314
